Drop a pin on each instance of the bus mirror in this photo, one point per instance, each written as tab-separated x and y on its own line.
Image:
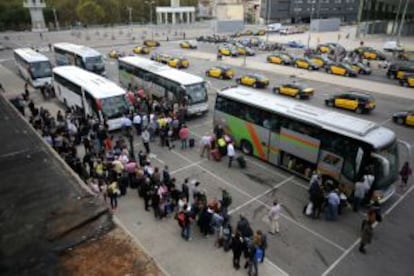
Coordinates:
384	163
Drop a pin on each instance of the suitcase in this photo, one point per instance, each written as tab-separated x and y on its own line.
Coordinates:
215	153
242	162
191	142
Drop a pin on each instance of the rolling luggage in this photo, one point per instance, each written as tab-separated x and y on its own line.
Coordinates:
242	162
215	153
191	143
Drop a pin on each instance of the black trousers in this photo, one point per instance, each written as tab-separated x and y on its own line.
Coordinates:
236	259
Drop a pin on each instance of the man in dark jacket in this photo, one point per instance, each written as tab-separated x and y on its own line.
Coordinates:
237	248
244	227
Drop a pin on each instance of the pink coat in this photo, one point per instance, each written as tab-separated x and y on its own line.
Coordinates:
184	133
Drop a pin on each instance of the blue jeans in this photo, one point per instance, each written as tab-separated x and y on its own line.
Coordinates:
332	213
183	143
186	232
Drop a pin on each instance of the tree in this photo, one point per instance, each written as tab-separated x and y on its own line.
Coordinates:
90	12
111	9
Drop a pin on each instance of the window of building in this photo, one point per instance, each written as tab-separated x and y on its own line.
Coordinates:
297	9
338	1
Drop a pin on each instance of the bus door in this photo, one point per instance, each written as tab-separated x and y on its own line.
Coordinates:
274	148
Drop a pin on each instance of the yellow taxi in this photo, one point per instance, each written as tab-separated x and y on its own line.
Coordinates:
279	58
360	68
325	48
220	72
244	50
407	80
321	60
260	32
228	51
143	50
188	45
404	118
294	89
247	32
341	69
178	62
369	53
115	54
358	102
160	57
254	80
305	63
151	43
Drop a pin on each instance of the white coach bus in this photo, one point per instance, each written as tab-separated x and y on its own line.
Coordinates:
163	81
33	66
78	55
93	94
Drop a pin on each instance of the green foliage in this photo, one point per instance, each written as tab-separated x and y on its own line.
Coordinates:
13	15
90	12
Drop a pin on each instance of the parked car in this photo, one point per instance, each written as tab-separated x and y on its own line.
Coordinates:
280	58
220	72
361	68
254	80
141	50
151	43
392	46
228	50
295	44
398	69
305	63
370	53
321	60
188	44
341	69
407	80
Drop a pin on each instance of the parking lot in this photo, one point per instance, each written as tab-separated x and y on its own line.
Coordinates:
304	246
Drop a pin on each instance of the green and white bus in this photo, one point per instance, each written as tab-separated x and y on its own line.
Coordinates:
163	81
302	138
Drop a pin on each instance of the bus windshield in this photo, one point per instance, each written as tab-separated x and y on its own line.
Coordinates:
93	62
115	107
41	69
196	93
384	178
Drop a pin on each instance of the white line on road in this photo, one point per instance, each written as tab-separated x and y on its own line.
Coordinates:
265	204
188	166
334	264
260	195
276	267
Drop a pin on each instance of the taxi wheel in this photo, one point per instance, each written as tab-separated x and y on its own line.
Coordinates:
359	110
298	96
246	147
347	74
207	74
269	60
329	71
296	66
400	121
309	68
255	85
405	84
221	76
276	90
330	103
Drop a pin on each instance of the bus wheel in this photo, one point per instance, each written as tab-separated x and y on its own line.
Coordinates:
400	121
246	147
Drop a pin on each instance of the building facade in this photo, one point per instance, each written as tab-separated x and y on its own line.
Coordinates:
301	11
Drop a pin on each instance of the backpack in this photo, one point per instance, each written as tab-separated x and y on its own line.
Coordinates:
227	200
258	254
181	219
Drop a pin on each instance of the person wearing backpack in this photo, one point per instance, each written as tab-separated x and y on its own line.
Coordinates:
263	244
254	253
226	201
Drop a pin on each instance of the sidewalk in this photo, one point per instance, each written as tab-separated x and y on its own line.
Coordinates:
352	83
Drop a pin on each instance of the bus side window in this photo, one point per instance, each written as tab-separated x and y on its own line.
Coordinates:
78	61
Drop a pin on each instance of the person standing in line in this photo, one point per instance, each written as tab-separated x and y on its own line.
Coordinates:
230	152
333	204
263	243
405	173
361	189
183	134
367	232
146	139
274	215
26	90
137	123
113	192
205	146
252	260
237	248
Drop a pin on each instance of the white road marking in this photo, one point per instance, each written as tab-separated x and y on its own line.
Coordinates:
276	267
260	195
265	204
344	254
187	167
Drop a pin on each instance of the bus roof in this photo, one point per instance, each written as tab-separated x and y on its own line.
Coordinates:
346	125
30	55
78	49
163	70
98	86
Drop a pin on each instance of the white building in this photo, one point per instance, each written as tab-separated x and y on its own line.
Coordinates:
36	14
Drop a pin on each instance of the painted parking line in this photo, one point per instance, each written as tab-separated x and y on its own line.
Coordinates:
260	195
276	267
187	167
386	213
265	204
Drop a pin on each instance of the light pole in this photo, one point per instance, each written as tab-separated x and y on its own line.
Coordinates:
268	7
310	21
129	15
56	20
402	21
150	3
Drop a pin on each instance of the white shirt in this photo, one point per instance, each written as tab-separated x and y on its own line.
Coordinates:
230	150
274	212
145	136
205	140
126	122
137	119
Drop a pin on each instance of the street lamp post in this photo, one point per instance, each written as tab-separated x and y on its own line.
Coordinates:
150	4
56	20
402	21
129	15
268	7
310	21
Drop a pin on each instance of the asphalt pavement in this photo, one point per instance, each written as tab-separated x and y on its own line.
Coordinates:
304	247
